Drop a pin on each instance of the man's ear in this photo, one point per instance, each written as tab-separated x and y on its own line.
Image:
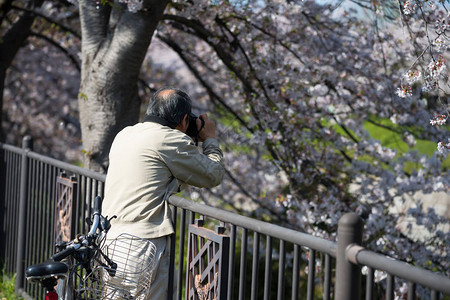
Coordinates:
183	126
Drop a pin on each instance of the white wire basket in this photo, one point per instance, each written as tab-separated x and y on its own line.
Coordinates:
135	258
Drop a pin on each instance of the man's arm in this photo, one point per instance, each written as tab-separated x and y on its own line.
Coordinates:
190	166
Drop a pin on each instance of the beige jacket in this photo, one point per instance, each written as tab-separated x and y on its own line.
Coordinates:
148	162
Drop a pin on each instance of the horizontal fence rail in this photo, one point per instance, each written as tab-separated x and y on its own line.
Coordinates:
265	260
358	255
269	229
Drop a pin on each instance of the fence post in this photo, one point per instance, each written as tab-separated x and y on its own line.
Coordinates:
27	145
348	275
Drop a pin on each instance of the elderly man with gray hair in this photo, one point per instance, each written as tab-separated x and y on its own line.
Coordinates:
148	162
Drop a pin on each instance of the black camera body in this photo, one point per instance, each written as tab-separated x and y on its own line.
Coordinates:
192	129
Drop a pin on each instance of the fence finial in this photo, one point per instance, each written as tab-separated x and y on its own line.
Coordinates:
27	142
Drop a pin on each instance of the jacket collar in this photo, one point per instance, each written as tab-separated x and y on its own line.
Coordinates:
158	120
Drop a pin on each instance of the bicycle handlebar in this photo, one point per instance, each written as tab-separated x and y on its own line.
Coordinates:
63	254
97	205
97	212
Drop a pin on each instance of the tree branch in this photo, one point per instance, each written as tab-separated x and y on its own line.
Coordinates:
72	57
48	19
172	44
132	36
14	38
94	26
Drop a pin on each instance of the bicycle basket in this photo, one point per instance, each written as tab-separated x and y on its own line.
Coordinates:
135	258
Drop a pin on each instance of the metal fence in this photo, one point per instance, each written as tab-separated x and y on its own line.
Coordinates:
28	192
265	260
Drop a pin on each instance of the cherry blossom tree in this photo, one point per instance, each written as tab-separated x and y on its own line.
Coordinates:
302	83
427	27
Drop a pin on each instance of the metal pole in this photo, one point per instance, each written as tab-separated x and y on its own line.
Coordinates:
348	275
27	145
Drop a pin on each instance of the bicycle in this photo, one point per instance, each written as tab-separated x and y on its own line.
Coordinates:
87	268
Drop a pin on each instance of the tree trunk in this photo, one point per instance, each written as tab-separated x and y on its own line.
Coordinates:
114	44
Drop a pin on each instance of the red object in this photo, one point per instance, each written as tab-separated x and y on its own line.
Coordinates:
51	296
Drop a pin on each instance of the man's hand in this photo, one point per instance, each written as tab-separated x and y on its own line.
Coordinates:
209	129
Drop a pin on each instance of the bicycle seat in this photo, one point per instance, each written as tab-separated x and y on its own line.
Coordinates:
46	270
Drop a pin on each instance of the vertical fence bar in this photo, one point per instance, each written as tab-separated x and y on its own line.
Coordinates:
255	271
21	242
30	227
192	217
14	204
327	278
369	283
311	274
268	268
295	272
83	194
281	266
411	291
30	232
390	282
348	275
243	264
77	206
173	237
231	262
181	254
13	168
40	207
434	295
50	208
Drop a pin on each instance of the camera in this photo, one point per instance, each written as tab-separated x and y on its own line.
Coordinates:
192	129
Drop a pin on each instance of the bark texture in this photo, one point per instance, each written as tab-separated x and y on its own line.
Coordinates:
114	44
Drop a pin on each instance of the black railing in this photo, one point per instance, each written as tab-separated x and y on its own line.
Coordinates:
28	192
265	260
272	246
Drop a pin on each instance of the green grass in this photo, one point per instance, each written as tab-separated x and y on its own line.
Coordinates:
7	286
393	140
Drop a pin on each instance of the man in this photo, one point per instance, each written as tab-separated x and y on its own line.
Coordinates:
148	163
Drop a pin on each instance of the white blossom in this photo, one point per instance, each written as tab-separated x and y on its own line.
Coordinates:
439	119
404	91
440	43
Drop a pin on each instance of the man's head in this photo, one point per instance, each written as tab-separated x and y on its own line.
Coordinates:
171	104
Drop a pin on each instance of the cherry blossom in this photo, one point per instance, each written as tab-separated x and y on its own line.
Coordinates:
404	91
439	119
